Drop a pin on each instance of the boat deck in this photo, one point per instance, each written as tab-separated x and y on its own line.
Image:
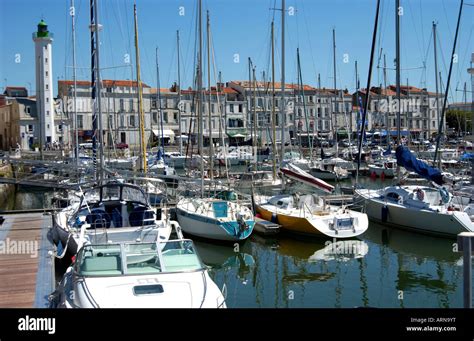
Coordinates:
26	269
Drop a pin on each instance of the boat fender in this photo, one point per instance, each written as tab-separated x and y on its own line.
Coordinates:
274	218
384	213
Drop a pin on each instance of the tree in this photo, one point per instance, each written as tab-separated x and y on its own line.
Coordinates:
460	120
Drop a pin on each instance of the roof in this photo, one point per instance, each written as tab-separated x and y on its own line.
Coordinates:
105	83
288	86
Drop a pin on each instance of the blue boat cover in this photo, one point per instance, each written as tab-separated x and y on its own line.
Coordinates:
467	156
406	159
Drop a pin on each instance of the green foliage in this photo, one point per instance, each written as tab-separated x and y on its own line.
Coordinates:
458	119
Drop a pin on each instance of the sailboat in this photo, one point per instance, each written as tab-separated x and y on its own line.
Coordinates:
212	218
310	215
424	209
108	211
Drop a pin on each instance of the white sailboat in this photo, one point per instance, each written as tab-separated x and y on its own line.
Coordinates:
310	215
418	208
209	217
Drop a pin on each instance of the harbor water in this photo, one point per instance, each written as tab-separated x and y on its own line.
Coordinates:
385	268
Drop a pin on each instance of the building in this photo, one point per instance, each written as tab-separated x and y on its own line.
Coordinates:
19	124
419	109
44	83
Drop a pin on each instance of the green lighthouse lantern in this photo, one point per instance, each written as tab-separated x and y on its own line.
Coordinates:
42	29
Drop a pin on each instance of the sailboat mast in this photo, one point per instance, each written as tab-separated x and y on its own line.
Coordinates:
200	98
255	136
301	90
141	114
179	96
445	101
385	87
275	152
96	92
397	72
367	93
211	149
436	71
158	103
74	80
282	106
335	90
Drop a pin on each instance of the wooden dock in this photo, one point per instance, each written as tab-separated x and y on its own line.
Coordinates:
26	269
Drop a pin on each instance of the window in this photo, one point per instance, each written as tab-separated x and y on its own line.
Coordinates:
30	128
433	124
46	73
260	102
121	104
47	99
175	117
122	121
131	104
155	117
231	108
241	108
213	108
165	116
80	123
47	126
46	60
60	127
47	112
28	110
111	121
47	86
132	121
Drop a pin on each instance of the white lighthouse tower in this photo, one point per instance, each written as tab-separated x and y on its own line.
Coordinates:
44	83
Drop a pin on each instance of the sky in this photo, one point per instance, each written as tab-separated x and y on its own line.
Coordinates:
239	30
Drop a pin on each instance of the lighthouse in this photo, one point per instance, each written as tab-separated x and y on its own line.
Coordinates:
44	83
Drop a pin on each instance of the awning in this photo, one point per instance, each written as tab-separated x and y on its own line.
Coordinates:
237	133
166	132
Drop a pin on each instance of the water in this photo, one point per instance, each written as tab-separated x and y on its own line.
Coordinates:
399	269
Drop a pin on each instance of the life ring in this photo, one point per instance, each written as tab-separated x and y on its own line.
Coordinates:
420	194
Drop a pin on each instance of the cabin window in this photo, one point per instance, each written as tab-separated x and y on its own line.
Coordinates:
393	196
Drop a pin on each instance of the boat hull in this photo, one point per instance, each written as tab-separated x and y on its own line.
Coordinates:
422	221
315	226
205	227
